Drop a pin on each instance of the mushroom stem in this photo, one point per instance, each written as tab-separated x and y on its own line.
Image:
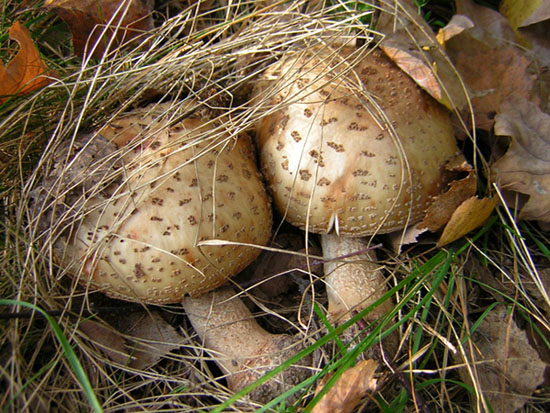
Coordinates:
241	347
353	283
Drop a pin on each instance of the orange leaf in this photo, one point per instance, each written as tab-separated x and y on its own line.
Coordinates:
27	71
86	19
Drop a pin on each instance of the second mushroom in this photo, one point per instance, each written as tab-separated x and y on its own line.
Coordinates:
350	147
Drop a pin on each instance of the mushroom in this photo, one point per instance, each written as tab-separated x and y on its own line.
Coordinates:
168	187
350	147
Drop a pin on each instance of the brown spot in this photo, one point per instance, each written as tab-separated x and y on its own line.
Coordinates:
296	135
305	175
323	182
194	182
307	113
360	172
157	201
138	271
353	126
247	174
184	201
192	220
336	146
156	219
222	178
368	154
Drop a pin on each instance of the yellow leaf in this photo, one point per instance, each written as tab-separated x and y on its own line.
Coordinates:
524	12
471	214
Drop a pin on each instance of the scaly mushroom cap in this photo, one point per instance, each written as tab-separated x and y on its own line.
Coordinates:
359	148
139	242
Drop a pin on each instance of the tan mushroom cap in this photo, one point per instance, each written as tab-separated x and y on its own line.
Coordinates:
140	242
359	160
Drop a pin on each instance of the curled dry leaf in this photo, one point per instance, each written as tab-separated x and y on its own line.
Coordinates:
525	168
410	43
347	392
508	369
27	71
127	19
456	25
444	205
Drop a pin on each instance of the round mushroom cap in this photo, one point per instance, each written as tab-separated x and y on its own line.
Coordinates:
139	240
350	142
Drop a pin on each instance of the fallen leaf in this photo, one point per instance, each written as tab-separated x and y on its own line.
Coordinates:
536	38
525	168
508	369
411	44
150	338
139	339
491	66
469	215
128	20
490	27
456	25
521	13
106	339
27	71
445	205
348	390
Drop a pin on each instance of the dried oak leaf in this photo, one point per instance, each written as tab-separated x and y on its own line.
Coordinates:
411	44
525	168
348	390
94	23
490	65
508	369
27	71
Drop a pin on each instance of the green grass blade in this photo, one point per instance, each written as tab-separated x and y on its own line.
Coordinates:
70	354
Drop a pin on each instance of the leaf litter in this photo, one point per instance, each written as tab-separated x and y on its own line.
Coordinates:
505	364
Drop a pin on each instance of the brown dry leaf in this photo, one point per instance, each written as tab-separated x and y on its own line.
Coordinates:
347	392
490	27
508	368
27	71
87	19
470	215
151	338
525	168
491	66
444	205
139	339
108	340
411	44
456	25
